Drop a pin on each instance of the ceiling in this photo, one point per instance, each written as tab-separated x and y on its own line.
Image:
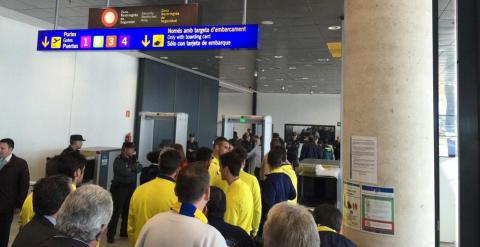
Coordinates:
447	50
293	55
447	41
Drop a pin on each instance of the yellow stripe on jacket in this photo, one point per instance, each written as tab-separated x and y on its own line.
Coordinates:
239	206
149	199
287	169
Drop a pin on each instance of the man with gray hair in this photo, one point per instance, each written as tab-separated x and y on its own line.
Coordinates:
82	218
290	225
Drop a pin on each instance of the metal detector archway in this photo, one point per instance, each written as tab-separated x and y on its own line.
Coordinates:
263	126
147	124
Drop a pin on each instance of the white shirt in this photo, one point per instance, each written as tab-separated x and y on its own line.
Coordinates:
3	162
8	158
256	154
170	229
51	219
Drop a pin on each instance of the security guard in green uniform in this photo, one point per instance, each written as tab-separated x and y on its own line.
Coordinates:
125	170
76	142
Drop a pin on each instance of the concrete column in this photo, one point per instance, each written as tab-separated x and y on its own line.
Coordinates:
388	93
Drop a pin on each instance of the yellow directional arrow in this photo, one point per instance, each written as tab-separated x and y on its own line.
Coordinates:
145	41
45	42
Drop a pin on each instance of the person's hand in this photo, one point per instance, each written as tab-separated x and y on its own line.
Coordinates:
17	210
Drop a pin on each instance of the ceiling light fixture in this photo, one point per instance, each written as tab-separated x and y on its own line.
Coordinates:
165	58
323	59
314	86
241	68
292	67
334	28
305	78
266	85
194	68
267	22
278	56
279	79
218	57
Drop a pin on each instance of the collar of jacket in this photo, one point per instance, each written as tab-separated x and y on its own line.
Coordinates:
197	214
321	228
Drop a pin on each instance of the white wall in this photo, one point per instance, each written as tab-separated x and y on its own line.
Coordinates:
322	109
46	96
237	104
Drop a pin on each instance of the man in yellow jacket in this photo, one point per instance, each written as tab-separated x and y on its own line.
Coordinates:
239	196
155	196
220	147
254	186
71	165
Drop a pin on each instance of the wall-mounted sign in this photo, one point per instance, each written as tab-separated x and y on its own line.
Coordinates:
144	16
162	38
378	210
363	159
351	205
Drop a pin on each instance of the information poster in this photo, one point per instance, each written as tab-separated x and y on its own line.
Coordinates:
363	160
378	210
351	205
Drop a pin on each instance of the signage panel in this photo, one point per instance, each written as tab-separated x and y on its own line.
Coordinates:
143	16
161	38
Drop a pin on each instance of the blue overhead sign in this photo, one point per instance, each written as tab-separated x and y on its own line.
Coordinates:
161	38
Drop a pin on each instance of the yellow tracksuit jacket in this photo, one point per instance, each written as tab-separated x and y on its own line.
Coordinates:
239	206
252	182
216	176
149	199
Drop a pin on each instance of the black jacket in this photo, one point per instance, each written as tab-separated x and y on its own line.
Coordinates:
63	241
276	188
14	184
36	232
149	173
69	150
234	235
333	239
310	150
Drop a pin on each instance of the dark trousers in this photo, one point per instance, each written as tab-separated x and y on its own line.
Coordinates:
121	195
5	223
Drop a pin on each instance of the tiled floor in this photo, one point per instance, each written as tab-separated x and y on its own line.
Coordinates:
119	242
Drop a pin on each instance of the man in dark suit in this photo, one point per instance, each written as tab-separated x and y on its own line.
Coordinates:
76	142
14	184
48	195
82	218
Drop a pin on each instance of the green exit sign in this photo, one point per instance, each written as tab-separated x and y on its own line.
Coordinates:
243	120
